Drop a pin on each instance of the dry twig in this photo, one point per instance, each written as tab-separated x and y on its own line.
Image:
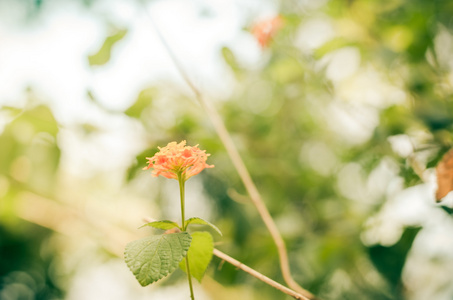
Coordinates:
258	275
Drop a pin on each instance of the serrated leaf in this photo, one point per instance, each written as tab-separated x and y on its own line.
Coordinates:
200	221
165	224
200	254
155	257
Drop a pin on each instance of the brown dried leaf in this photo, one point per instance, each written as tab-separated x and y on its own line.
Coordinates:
444	172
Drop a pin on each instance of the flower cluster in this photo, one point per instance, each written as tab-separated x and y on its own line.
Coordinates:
175	159
264	30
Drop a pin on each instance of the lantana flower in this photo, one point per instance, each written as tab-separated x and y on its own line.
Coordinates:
178	159
265	30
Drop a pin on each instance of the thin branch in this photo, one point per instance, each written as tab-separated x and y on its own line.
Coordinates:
258	275
238	163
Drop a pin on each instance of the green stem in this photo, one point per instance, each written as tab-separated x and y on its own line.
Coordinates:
181	181
181	194
189	278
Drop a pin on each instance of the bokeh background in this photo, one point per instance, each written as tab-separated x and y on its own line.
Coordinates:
341	120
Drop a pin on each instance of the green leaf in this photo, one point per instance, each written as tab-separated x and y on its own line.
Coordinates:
103	55
137	166
331	45
154	257
230	58
11	110
144	100
286	70
202	222
200	254
389	261
165	224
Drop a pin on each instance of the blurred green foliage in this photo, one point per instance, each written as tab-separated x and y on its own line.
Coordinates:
24	273
281	118
103	55
28	163
30	154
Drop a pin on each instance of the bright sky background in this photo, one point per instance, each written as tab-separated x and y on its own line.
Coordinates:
50	52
